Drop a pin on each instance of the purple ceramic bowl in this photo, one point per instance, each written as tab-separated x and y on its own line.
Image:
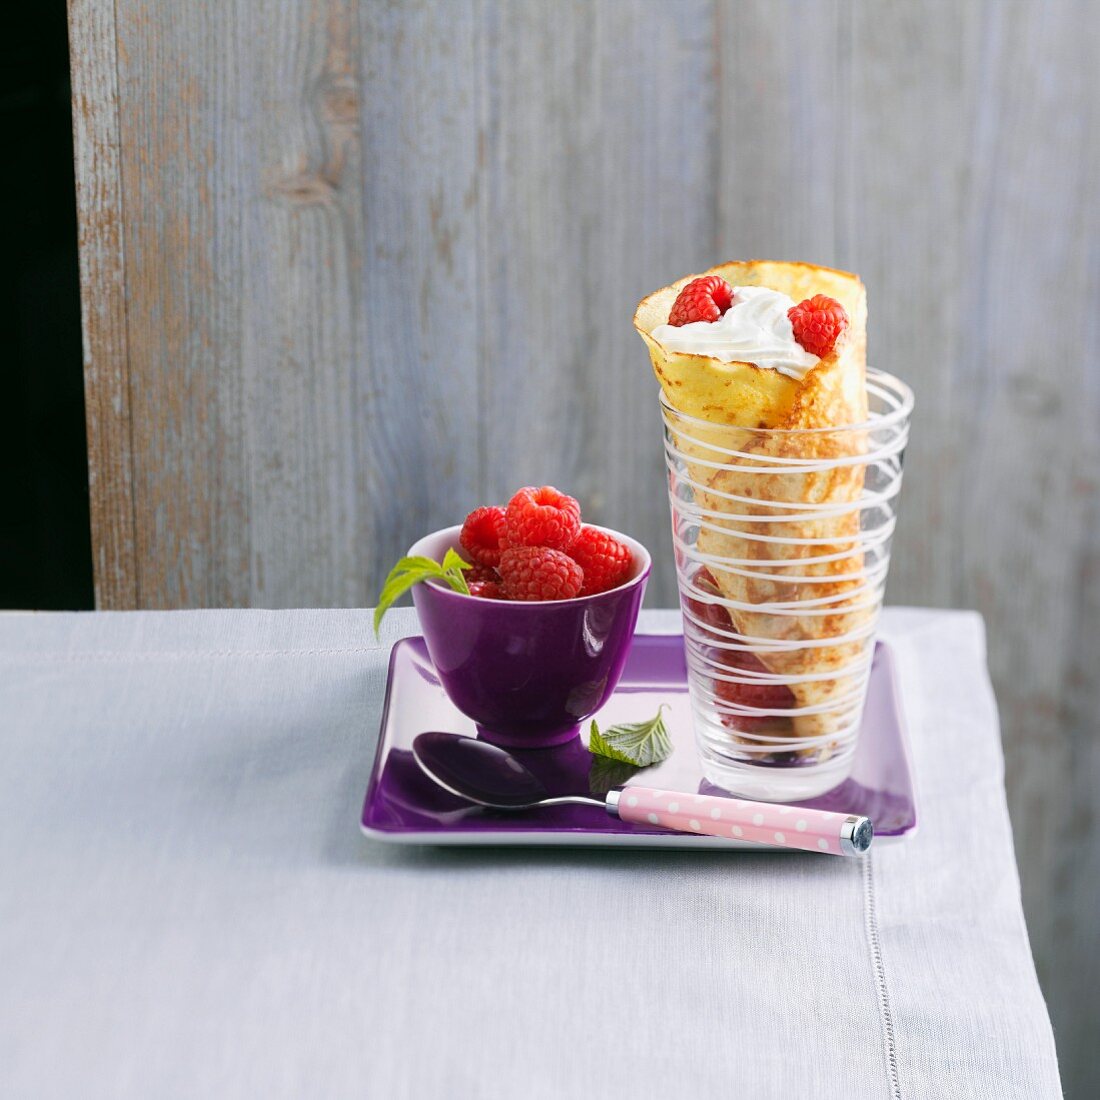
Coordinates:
528	674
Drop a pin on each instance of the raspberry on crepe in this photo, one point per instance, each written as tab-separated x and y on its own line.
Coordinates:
703	299
818	323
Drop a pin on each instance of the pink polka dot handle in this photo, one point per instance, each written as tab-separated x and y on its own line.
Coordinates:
836	834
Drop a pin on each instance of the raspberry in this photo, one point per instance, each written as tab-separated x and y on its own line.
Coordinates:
713	614
481	533
542	517
765	696
481	573
487	590
606	561
539	573
703	299
818	323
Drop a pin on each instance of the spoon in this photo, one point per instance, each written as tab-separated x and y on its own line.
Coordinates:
489	776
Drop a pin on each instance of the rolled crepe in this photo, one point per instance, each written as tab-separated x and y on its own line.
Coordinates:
801	628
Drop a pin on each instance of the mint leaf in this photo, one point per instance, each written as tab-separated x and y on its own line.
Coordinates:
454	567
410	571
637	743
605	773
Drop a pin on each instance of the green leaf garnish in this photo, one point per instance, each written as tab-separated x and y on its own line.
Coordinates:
605	773
454	565
410	571
637	743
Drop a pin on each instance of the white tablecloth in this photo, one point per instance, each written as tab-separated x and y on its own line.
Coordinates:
187	907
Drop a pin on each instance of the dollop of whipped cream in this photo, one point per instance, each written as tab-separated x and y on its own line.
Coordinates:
755	329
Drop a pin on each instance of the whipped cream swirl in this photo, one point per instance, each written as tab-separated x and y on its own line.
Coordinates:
755	329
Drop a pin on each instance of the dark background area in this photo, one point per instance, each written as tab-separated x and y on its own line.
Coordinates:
45	543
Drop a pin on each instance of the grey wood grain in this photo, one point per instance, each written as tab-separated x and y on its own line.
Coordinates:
785	103
423	174
183	205
954	177
377	264
1028	525
304	360
585	135
96	144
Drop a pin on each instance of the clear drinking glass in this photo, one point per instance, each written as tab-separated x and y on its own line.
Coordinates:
782	542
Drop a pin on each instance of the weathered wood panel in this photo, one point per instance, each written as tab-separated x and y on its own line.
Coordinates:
99	194
987	194
1030	457
423	311
298	148
956	178
182	241
350	268
593	113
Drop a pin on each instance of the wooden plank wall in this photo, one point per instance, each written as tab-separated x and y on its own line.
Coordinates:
351	268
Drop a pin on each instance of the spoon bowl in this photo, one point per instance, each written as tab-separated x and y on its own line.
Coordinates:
482	773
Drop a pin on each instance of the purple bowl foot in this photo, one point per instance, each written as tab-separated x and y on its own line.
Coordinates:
528	741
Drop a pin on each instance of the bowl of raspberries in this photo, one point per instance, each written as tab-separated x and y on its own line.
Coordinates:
540	641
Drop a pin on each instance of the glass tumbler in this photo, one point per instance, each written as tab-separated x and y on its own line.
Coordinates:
782	543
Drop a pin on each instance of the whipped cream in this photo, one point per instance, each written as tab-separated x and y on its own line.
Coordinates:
755	329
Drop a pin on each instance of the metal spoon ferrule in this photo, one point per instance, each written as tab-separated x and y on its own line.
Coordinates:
856	834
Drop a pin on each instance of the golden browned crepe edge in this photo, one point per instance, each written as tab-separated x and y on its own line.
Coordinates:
743	393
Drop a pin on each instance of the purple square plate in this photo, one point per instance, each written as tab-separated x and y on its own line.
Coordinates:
403	805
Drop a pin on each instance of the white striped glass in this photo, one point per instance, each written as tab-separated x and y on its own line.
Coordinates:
782	542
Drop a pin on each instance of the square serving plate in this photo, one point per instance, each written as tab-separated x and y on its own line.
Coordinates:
403	805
